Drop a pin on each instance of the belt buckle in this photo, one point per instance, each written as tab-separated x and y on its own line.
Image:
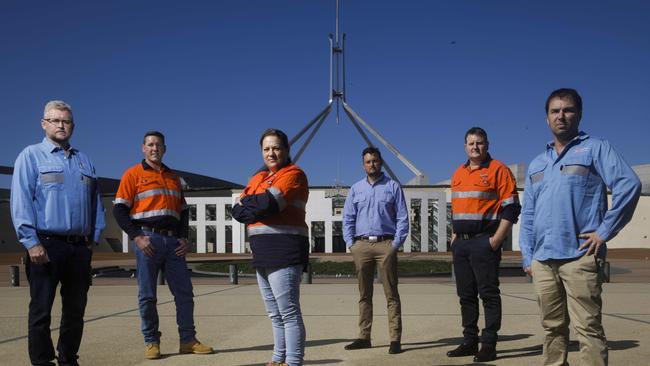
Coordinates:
373	239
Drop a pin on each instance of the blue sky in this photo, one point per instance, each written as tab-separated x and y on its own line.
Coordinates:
212	75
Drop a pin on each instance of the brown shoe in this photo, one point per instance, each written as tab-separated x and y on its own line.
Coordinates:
273	363
195	347
152	351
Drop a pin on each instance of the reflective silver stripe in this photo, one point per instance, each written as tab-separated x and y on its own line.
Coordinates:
489	195
575	170
486	216
122	201
300	204
154	213
278	229
510	201
52	178
536	177
279	198
158	191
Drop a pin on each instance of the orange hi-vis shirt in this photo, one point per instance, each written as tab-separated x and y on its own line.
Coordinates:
481	197
151	194
290	189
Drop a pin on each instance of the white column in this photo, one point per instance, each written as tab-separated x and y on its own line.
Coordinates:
221	227
328	236
424	222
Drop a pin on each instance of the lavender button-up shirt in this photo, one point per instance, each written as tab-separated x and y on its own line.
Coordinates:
375	209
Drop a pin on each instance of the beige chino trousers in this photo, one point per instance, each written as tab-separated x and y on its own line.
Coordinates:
570	291
366	256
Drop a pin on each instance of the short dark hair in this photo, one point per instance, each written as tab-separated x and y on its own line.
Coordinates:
153	133
284	140
566	93
478	132
372	151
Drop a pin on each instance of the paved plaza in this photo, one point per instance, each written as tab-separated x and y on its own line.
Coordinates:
232	319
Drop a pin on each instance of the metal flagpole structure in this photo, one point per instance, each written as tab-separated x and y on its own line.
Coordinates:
337	95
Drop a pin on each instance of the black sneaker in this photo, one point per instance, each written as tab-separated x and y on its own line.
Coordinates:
359	344
395	347
465	349
487	353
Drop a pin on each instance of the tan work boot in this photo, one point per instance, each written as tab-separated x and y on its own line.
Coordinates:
152	351
195	347
273	363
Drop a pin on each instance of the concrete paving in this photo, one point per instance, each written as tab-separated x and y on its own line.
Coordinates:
232	319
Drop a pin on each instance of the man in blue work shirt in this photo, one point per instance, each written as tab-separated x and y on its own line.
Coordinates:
375	224
58	216
565	224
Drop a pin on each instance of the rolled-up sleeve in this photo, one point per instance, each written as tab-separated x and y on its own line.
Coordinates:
23	187
526	237
625	186
401	216
349	219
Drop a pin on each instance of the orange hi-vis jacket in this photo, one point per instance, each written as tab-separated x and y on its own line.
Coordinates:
290	189
481	197
151	194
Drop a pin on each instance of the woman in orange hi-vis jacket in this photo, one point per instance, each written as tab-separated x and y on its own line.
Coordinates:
273	207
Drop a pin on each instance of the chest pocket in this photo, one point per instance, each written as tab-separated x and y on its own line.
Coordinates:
385	197
88	178
360	201
576	169
51	176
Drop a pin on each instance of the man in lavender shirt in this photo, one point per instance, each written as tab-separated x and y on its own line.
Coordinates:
375	224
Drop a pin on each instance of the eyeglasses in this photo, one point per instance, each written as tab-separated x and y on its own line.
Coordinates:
56	121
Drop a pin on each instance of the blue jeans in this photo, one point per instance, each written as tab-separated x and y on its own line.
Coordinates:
280	289
180	285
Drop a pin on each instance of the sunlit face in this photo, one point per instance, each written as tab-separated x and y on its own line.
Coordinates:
274	154
153	150
372	165
476	148
563	118
55	126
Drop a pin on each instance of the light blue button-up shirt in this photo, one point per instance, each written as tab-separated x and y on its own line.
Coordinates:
375	209
566	195
55	193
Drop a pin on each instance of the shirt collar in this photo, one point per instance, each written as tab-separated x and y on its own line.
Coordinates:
50	147
484	164
579	137
146	166
382	177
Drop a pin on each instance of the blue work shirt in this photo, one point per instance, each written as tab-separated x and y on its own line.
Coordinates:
375	209
566	195
54	193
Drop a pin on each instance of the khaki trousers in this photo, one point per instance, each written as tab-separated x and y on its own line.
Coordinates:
570	290
366	256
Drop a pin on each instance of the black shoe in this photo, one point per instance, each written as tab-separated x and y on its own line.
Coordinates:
465	349
395	347
487	353
359	344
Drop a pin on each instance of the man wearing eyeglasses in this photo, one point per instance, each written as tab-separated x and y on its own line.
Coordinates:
58	215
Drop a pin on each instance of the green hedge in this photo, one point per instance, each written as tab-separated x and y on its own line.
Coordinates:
328	268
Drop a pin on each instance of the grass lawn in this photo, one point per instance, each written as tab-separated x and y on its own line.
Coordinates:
328	268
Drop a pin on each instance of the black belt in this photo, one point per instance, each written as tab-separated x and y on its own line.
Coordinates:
72	239
165	232
375	238
465	236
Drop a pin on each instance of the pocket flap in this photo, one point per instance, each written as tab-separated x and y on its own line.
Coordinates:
45	169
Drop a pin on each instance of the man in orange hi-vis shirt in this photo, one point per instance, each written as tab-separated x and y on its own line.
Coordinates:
151	209
484	205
